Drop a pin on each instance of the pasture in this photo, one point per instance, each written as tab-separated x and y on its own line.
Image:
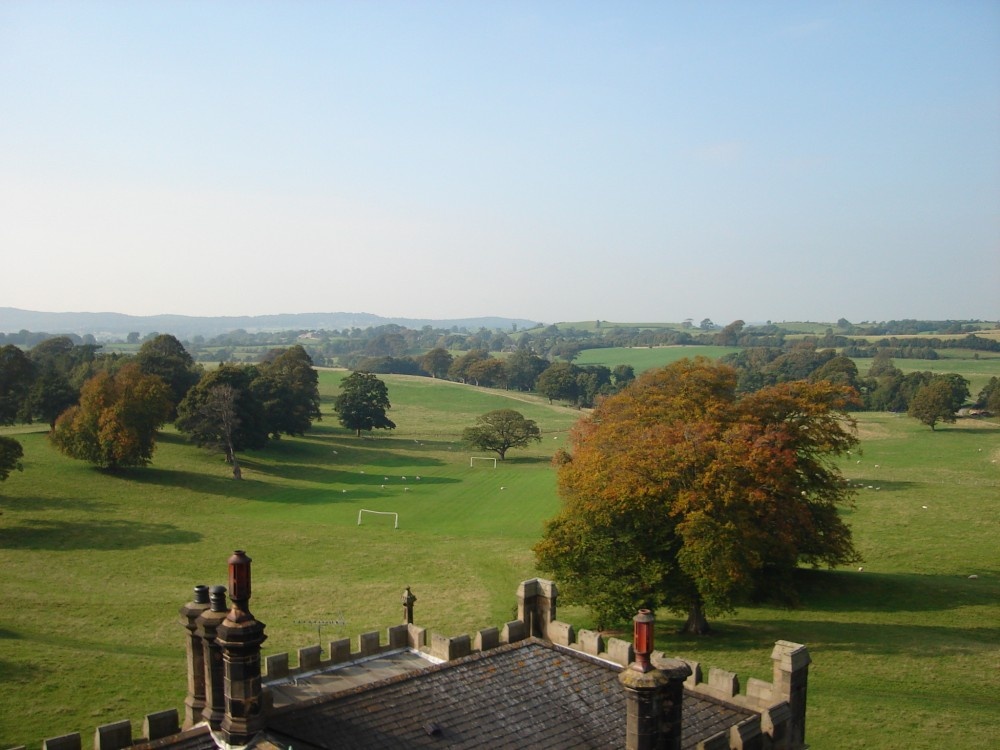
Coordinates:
96	566
644	357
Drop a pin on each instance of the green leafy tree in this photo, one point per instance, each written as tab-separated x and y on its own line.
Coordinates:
935	402
989	396
559	382
679	492
839	370
501	430
523	368
460	367
436	362
11	454
623	375
204	413
288	388
730	335
165	356
115	423
363	402
487	373
17	374
51	395
591	381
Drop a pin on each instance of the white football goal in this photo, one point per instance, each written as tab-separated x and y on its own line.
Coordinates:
395	516
473	459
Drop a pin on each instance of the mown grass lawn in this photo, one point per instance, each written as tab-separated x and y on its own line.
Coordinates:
95	566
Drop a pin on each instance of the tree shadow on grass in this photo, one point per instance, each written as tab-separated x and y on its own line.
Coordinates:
51	503
341	477
859	591
365	452
104	535
862	638
983	428
209	484
525	460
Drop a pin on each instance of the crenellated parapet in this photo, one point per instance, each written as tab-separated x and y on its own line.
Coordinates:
214	638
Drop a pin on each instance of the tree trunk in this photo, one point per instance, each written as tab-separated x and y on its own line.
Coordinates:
231	459
696	623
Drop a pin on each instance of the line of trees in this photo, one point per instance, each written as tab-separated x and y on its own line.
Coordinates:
106	408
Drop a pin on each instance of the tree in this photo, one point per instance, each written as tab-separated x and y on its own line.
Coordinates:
223	412
486	372
730	335
989	396
623	375
362	403
11	454
165	356
459	369
523	368
217	421
680	492
934	402
501	430
288	388
592	380
839	370
436	362
115	423
17	374
51	395
559	382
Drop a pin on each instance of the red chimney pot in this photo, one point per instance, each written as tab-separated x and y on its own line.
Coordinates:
642	632
239	577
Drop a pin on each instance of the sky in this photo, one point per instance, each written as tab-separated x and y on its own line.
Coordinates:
555	161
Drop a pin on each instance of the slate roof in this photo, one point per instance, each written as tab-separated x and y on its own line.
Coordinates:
523	695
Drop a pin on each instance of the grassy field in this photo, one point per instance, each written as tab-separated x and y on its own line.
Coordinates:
643	357
95	566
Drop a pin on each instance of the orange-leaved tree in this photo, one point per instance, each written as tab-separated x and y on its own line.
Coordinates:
115	423
680	493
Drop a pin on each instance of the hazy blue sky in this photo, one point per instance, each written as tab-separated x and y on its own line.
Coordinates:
555	161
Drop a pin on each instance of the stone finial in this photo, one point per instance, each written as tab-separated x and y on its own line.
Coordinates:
408	600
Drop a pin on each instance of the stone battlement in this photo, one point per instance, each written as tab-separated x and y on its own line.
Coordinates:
778	706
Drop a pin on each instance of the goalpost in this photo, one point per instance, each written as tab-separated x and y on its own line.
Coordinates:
395	516
473	459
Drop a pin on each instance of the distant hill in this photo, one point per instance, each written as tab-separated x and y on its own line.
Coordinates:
116	325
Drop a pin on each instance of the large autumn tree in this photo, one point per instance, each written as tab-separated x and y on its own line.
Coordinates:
115	423
681	493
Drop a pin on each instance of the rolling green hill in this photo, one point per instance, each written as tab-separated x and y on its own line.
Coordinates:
95	566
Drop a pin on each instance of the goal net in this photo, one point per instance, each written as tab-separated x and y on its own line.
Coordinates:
395	516
473	459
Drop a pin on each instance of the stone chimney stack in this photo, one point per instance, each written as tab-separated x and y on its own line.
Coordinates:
206	626
654	688
194	703
791	677
240	637
536	605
